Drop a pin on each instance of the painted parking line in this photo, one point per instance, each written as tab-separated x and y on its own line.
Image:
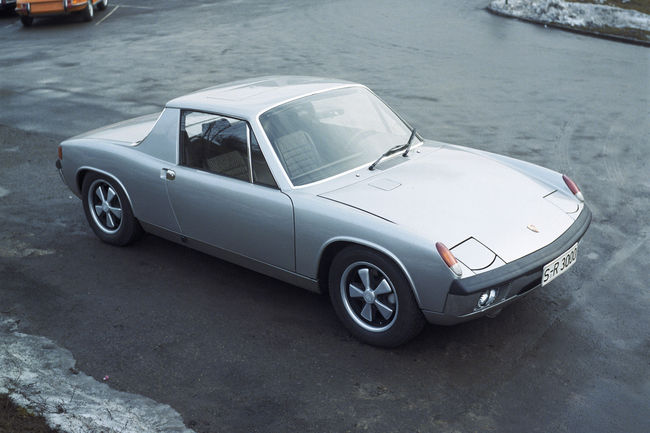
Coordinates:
108	15
137	7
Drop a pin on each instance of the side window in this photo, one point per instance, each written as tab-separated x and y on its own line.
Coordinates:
261	173
215	143
219	144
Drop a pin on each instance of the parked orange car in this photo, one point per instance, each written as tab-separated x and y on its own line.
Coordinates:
29	9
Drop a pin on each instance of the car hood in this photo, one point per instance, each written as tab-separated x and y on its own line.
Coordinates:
452	194
128	132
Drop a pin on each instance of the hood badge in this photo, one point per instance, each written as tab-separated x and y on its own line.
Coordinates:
532	228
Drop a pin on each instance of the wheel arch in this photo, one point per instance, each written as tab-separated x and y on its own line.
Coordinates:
82	172
336	245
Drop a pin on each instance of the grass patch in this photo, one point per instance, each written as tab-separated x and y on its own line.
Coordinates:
15	419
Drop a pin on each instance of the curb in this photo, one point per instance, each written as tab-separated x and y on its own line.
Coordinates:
566	28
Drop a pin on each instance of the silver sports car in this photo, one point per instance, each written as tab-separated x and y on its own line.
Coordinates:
318	183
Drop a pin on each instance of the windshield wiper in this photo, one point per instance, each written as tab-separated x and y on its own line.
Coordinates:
408	143
406	147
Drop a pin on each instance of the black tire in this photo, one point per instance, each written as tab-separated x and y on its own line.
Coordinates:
27	21
89	13
373	298
108	211
102	5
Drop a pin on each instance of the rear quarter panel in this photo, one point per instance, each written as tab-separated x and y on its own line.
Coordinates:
136	167
137	173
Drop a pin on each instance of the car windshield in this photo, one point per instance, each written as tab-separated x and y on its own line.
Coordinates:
328	133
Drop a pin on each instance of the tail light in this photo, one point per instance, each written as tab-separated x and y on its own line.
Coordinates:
573	187
449	258
60	152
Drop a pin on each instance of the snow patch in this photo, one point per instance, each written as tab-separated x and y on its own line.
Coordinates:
38	374
572	14
15	248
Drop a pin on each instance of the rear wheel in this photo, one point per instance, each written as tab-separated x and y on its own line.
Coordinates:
373	298
89	12
108	211
102	5
27	21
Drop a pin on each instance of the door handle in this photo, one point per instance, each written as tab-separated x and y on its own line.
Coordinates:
168	174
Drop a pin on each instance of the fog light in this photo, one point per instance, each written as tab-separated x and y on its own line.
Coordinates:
486	298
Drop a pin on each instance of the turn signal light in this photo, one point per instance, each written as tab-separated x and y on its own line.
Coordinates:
449	258
573	187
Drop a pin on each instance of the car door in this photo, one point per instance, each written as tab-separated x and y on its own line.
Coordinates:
223	194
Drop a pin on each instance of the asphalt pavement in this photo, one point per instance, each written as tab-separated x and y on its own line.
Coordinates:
232	350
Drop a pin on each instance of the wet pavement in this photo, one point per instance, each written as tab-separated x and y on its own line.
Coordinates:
232	350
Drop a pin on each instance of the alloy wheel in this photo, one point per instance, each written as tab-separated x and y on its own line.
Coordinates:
105	206
369	296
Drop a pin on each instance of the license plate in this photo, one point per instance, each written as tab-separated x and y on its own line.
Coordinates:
560	265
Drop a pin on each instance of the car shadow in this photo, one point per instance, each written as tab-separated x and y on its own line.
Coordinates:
57	21
6	14
299	312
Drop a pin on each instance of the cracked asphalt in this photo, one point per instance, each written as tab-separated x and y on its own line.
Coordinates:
232	350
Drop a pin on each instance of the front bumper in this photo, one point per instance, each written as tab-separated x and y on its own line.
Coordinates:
511	281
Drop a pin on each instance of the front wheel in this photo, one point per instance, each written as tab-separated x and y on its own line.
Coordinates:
102	5
89	12
108	211
373	298
27	21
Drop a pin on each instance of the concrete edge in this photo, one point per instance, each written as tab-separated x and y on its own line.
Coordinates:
579	31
